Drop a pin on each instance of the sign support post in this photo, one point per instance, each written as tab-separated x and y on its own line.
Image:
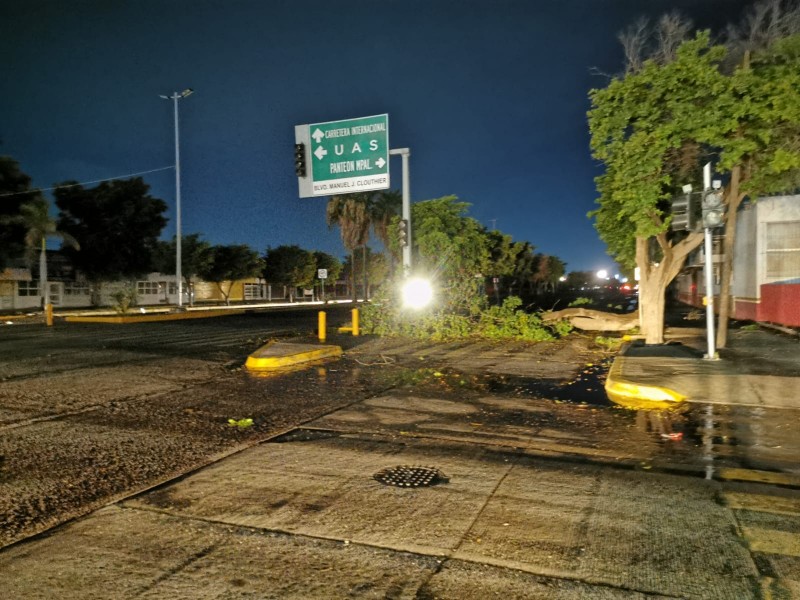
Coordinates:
404	154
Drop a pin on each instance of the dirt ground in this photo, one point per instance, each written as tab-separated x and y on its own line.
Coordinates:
75	439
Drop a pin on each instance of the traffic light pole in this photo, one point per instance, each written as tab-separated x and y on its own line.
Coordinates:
404	153
709	272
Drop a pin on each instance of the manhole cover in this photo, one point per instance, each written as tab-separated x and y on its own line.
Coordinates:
410	477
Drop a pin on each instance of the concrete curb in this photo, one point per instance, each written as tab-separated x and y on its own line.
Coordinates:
277	355
637	395
151	318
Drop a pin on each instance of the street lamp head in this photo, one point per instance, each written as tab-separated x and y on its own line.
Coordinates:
187	92
716	184
163	96
687	189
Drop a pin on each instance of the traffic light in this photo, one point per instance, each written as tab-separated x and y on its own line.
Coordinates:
684	213
402	232
713	209
300	160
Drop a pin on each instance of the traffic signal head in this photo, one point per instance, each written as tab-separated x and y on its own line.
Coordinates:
402	232
713	209
300	160
684	213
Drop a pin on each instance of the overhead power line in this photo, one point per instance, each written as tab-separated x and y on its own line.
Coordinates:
58	187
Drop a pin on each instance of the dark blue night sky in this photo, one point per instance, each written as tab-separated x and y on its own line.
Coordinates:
490	96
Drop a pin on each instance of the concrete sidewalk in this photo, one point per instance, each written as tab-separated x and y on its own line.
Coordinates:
303	517
758	368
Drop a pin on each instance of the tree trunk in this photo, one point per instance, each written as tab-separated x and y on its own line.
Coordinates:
725	300
364	266
654	279
353	274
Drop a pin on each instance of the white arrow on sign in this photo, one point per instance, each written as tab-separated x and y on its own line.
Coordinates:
318	135
320	152
380	162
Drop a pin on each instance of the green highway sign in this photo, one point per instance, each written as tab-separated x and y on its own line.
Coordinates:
346	156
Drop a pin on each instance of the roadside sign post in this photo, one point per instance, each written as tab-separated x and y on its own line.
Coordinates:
322	274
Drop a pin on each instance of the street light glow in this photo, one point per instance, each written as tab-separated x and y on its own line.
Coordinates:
602	274
417	293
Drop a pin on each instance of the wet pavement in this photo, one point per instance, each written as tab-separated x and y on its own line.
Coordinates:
551	492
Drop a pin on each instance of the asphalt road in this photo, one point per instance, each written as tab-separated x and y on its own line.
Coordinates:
229	338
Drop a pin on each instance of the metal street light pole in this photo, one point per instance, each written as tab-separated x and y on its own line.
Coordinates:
178	275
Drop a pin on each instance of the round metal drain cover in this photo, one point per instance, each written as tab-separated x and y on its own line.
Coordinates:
410	477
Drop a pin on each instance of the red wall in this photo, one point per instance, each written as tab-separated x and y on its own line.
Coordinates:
780	303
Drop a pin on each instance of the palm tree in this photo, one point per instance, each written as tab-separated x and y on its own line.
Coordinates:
382	208
35	217
351	214
356	214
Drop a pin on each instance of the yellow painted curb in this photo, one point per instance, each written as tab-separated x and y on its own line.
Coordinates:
637	395
277	355
755	476
145	318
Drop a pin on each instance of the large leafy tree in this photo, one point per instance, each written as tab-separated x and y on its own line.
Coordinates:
291	266
761	152
196	257
377	267
639	124
453	249
668	114
117	223
229	264
15	192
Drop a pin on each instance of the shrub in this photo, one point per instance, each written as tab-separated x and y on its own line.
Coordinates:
505	322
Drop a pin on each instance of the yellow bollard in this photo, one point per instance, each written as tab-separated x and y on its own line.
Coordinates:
321	326
48	314
355	322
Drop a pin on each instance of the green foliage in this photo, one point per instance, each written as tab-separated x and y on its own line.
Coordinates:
124	298
290	266
580	301
329	262
240	423
453	249
608	343
229	263
117	225
639	123
377	266
196	256
505	322
17	185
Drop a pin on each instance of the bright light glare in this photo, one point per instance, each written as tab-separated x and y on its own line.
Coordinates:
417	293
602	274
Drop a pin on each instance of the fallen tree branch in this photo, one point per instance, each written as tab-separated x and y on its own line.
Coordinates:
593	320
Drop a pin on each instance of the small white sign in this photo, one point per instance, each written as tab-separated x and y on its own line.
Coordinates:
322	273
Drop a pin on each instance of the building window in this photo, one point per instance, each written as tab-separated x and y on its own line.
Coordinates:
783	250
147	288
28	288
253	291
73	288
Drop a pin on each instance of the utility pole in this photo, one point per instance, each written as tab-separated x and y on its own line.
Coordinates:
178	275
